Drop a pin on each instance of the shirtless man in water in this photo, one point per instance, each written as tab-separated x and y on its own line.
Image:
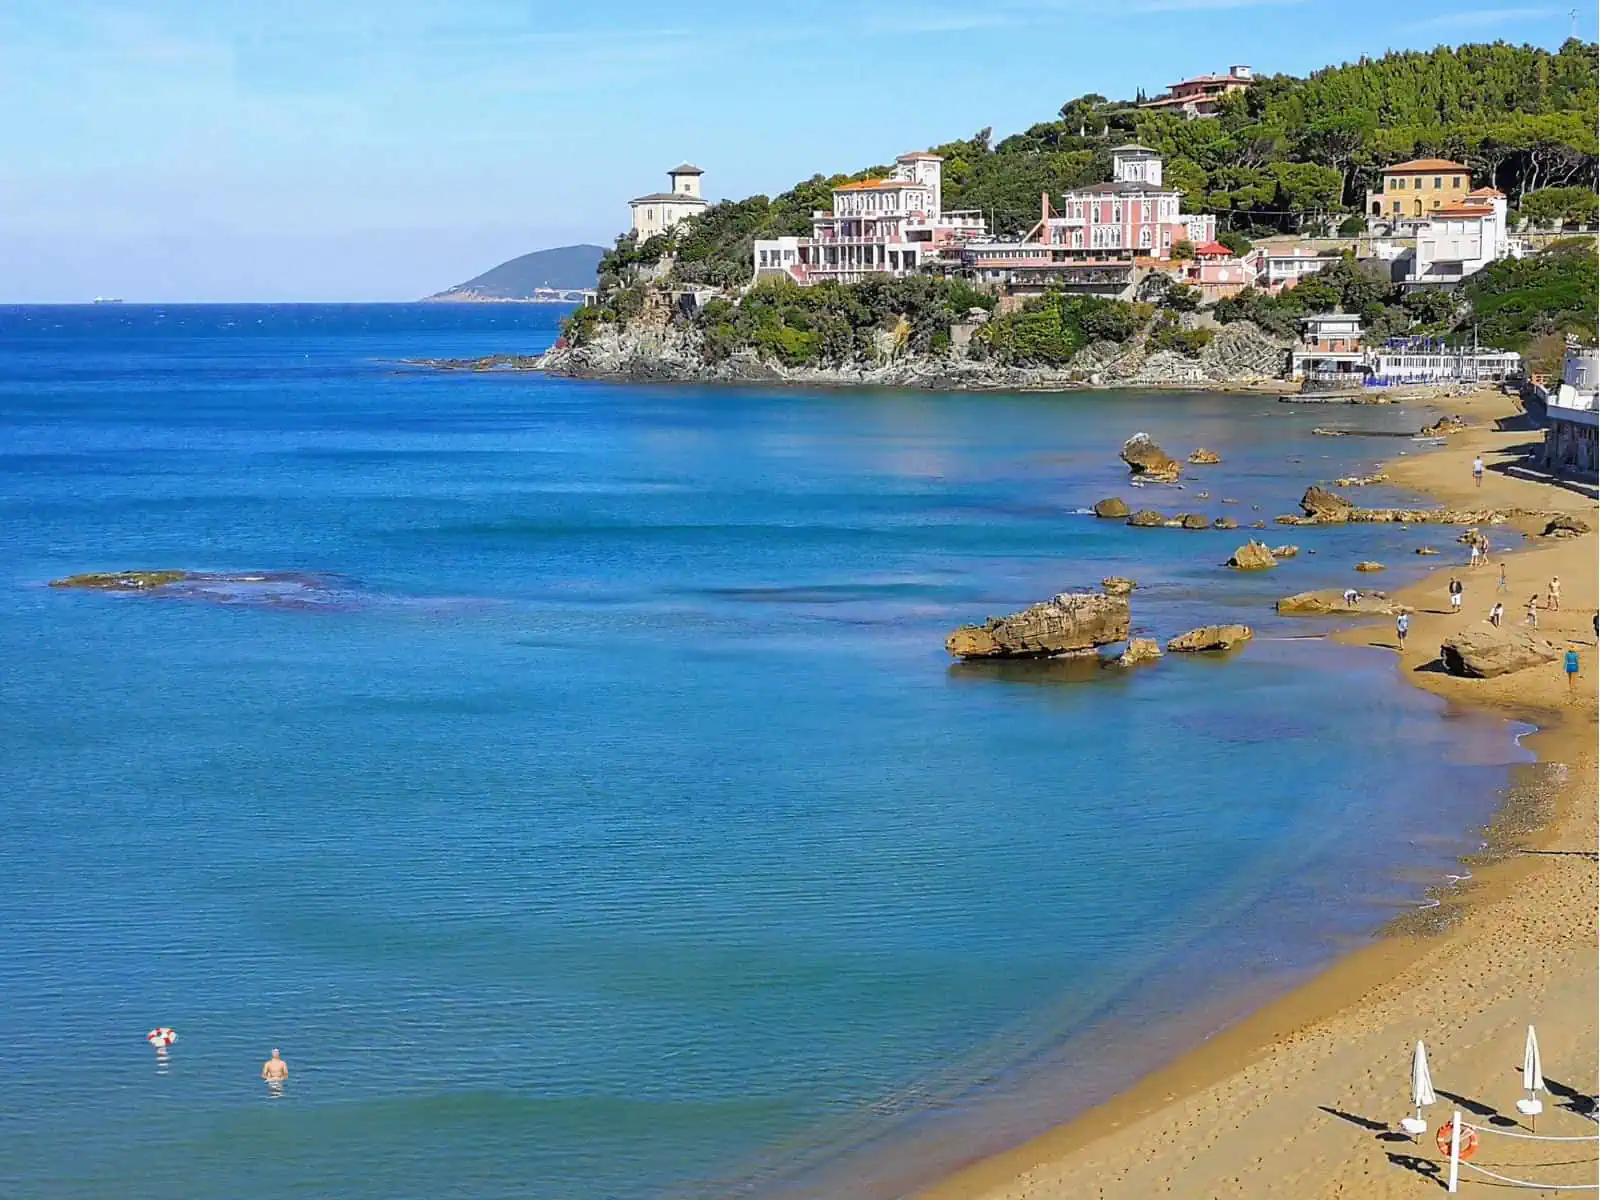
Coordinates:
274	1070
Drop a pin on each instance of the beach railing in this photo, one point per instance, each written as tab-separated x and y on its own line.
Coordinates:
1457	1162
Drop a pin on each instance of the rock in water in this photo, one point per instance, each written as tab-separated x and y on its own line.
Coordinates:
1426	550
1070	621
1285	551
1252	556
1369	566
1225	523
123	581
1116	585
1331	604
1191	521
1205	458
1565	525
1485	652
1140	650
1146	518
1443	427
1210	637
1319	502
1146	458
1110	507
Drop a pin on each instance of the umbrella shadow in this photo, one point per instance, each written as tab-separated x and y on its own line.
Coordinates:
1380	1129
1479	1109
1418	1165
1571	1099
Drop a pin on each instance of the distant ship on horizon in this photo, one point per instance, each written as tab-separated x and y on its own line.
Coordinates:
108	299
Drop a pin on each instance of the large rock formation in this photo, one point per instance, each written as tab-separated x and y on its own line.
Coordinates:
1443	427
1565	525
1319	502
1225	523
1210	637
1331	603
1485	652
1117	585
1140	650
1147	518
1146	458
1202	457
1190	521
1322	507
1068	622
1110	507
1252	556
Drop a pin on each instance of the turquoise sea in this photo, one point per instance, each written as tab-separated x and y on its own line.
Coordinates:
598	815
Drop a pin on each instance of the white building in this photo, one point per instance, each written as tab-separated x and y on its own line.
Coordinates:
1279	267
1329	349
1407	361
660	211
890	226
1461	239
1571	412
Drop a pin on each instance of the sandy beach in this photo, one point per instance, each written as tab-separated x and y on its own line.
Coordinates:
1304	1098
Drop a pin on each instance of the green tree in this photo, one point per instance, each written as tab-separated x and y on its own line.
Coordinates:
1182	250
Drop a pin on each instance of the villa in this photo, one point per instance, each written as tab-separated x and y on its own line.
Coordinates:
660	211
1412	190
1202	96
1460	239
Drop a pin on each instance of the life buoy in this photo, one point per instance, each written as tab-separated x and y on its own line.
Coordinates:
161	1037
1469	1141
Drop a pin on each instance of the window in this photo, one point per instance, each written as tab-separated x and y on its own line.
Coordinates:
1437	182
1400	184
1397	208
1455	181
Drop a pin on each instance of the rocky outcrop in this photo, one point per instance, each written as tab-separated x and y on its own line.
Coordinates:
1426	550
1203	457
1443	427
1331	603
1117	585
1319	502
1146	518
1285	551
1565	525
1485	652
1210	637
1368	565
1110	507
1140	650
1252	556
1068	622
1361	480
1146	459
1190	521
1225	523
1322	507
125	581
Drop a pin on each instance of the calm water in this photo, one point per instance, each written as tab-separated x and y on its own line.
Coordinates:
606	819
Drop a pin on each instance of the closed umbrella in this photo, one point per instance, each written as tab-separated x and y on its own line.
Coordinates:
1532	1080
1421	1091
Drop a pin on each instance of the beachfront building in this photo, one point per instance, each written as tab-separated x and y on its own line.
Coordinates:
1414	189
1459	239
894	225
1423	361
1201	96
1571	415
1329	350
660	211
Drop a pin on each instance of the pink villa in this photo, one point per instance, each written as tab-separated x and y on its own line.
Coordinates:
1201	96
1217	272
891	226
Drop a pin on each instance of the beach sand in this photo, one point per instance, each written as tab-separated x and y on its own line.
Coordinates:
1303	1099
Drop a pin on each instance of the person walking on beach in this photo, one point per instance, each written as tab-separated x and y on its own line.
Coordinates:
1474	555
1402	625
1456	591
1477	470
1533	610
1496	613
1350	597
275	1070
1570	665
1554	604
1503	587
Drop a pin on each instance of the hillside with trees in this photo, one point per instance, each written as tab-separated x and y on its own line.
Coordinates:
1287	155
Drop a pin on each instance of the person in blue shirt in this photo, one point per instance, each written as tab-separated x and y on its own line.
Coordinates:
1571	665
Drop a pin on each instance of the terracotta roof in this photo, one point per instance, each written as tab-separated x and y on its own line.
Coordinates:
1212	250
1486	191
1463	210
870	184
1425	164
1208	79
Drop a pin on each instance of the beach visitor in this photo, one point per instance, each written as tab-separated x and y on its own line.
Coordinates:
1502	587
1350	597
1533	610
275	1070
1555	595
1402	624
1474	554
1455	595
1496	613
1477	470
1571	667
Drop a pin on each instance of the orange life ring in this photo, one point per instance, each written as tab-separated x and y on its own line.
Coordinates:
1469	1141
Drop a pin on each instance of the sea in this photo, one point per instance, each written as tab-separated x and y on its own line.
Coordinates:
582	799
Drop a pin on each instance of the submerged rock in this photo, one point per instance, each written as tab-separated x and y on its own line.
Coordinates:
1285	551
1204	458
1110	507
1210	637
1140	650
1068	622
1225	523
1252	556
1485	652
1330	603
1368	565
1146	458
1426	550
1117	585
124	581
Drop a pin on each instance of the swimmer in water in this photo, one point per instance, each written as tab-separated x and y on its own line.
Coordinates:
274	1070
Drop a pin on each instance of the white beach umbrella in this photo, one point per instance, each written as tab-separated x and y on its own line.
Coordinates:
1421	1091
1532	1081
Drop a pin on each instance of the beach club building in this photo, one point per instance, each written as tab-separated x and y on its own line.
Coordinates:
894	225
1571	415
1329	350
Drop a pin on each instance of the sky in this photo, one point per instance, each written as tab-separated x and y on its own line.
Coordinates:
321	150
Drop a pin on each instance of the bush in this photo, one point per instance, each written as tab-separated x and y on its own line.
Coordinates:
1351	226
1236	241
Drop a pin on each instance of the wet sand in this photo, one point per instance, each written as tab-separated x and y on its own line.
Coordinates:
1303	1099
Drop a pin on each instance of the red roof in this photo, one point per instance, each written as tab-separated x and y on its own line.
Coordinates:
1212	250
1486	191
1425	164
868	184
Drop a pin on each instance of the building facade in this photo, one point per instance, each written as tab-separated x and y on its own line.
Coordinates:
1413	190
1217	272
1460	239
1329	349
1402	362
890	226
1278	267
1571	415
1202	95
660	211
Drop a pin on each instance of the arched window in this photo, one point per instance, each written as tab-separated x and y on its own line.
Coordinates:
1419	206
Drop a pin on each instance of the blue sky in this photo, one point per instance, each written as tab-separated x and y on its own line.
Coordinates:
382	149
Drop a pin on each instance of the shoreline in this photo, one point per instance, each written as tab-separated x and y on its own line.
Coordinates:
1236	1116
